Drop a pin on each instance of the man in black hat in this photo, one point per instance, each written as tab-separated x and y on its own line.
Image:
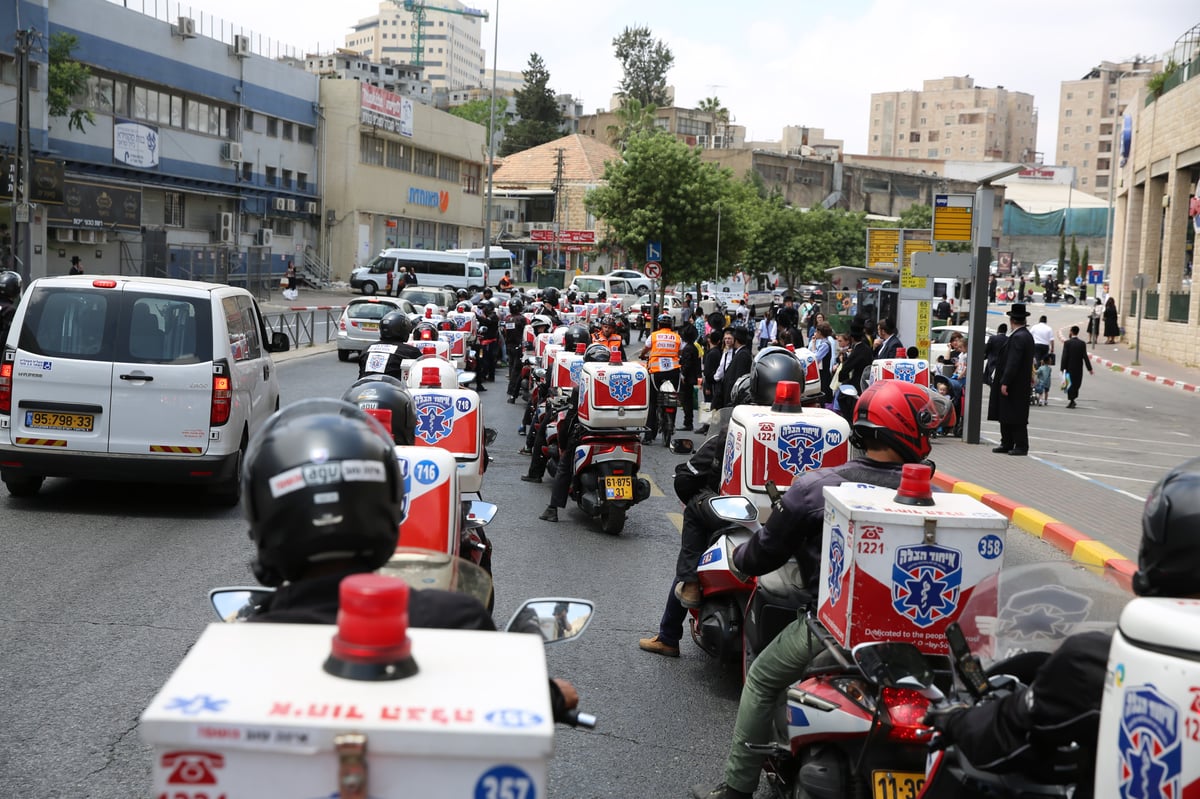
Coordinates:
76	268
1008	403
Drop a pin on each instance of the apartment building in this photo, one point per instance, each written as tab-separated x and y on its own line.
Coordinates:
397	78
953	118
452	51
1089	119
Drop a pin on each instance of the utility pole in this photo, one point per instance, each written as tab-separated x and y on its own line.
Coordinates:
558	178
21	208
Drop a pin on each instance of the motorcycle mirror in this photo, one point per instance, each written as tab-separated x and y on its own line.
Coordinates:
480	514
555	619
734	509
465	379
237	603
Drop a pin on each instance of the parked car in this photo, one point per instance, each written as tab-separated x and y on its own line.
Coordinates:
136	379
420	296
358	327
939	341
614	287
1048	268
639	312
639	282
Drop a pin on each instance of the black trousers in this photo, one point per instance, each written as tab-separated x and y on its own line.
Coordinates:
687	400
1014	436
514	371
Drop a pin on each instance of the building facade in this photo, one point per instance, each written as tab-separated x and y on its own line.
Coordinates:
953	118
1089	119
396	78
202	161
452	51
692	126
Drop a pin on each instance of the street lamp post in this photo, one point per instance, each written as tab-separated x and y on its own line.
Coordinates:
487	214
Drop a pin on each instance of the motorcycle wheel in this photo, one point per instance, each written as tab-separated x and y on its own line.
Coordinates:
1070	300
666	426
612	519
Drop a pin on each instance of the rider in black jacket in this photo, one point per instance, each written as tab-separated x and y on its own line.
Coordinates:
393	347
10	295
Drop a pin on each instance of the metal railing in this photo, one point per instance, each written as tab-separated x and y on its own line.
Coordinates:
305	328
1178	303
1151	305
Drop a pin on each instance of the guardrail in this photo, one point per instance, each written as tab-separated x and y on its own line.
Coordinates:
306	327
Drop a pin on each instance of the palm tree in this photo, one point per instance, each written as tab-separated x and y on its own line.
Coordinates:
633	118
712	105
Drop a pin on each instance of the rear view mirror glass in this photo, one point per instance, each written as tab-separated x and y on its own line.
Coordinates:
554	619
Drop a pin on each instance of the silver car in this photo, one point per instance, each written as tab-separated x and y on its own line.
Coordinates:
358	328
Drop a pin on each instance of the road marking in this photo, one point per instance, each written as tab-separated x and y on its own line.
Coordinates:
677	520
655	491
1079	475
1117	477
1108	437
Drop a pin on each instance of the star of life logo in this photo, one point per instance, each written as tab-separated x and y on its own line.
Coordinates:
406	475
731	446
926	579
620	385
837	563
906	372
1149	745
435	417
801	447
576	371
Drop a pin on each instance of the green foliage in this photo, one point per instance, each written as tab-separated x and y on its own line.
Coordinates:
1062	254
539	120
713	106
644	65
633	119
1074	262
479	112
1158	81
68	79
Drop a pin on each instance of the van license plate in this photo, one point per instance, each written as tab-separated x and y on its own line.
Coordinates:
53	420
618	488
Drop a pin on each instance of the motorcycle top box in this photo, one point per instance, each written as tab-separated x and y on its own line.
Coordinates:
614	395
907	370
764	445
250	712
892	571
1149	741
429	516
451	418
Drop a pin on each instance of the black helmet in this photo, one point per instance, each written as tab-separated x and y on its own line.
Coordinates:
574	336
487	306
608	319
515	306
462	294
425	331
321	482
1169	555
395	326
571	296
384	392
597	353
10	285
550	297
771	366
739	392
901	416
664	320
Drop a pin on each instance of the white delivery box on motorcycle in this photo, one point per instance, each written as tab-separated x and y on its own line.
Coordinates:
907	370
430	517
465	322
1149	741
812	370
898	572
250	713
438	348
766	445
452	419
614	395
567	371
456	340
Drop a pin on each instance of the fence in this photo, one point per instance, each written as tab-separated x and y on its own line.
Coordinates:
305	328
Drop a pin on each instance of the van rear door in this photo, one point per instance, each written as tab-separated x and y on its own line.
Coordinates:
62	370
162	374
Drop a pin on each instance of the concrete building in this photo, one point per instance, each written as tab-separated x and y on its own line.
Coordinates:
397	78
1089	119
803	140
953	118
406	175
202	161
692	126
1156	214
453	54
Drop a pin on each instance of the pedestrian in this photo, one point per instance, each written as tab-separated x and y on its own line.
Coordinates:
992	351
739	363
943	309
1041	389
76	268
788	316
768	330
505	283
822	345
689	376
1043	341
889	342
1074	359
1094	321
991	288
1112	328
1008	402
1021	288
290	276
857	359
710	363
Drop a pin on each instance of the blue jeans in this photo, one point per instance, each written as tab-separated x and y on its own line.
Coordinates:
670	627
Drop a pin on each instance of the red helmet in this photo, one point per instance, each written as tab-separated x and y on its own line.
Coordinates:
901	416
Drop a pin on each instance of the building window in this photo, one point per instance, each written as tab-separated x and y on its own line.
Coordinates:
1066	147
1070	95
302	181
1102	181
248	121
1087	129
272	127
306	135
287	178
287	131
471	174
370	150
272	176
1067	113
399	156
173	208
931	152
1083	181
425	163
247	172
448	169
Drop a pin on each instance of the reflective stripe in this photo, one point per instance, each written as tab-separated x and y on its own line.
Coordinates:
664	351
42	442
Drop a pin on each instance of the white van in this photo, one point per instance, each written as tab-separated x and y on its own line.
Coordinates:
131	378
452	270
498	262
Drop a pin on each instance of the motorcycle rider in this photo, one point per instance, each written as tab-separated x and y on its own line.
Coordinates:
313	525
540	324
10	295
487	337
514	336
700	478
550	298
574	335
996	735
384	392
393	347
661	351
892	423
608	335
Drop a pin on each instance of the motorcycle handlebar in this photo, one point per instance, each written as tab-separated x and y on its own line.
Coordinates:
577	718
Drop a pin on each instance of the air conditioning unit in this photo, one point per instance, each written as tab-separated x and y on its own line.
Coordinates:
265	236
291	204
186	28
232	151
241	46
64	234
225	228
508	227
310	208
280	204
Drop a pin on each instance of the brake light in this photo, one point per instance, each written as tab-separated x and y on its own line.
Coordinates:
906	709
222	397
342	323
104	283
6	383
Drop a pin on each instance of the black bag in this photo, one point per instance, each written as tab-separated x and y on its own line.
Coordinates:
1053	359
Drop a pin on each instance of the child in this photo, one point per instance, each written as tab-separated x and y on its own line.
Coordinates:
1042	390
943	388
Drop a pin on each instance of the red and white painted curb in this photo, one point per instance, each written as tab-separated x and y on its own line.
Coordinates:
1162	381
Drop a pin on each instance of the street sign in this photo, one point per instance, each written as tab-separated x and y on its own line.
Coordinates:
654	251
654	270
952	217
1095	277
883	248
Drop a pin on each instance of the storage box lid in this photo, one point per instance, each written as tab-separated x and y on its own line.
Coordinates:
262	687
1160	622
869	504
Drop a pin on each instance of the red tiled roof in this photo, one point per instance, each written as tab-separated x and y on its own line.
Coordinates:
583	162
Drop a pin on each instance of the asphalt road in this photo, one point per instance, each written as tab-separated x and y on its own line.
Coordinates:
106	590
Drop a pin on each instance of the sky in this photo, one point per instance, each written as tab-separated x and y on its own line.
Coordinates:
774	63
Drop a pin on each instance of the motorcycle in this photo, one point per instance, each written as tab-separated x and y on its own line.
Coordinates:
668	406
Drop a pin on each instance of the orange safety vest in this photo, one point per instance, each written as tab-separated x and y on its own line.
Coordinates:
613	342
664	351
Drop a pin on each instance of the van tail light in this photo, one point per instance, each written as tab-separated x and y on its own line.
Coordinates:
6	385
222	395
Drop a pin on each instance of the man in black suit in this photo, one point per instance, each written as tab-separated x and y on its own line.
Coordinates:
858	359
739	364
1074	359
890	341
992	352
1008	403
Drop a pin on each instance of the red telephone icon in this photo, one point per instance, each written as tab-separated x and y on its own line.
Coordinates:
192	768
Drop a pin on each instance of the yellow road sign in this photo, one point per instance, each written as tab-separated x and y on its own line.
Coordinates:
883	248
952	217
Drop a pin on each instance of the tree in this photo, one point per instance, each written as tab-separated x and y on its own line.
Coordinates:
1074	264
68	79
644	64
479	112
1062	254
539	120
633	118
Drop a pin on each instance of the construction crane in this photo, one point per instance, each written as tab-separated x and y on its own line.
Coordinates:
418	11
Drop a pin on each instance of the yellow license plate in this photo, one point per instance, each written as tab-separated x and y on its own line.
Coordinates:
369	325
896	784
618	488
53	420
